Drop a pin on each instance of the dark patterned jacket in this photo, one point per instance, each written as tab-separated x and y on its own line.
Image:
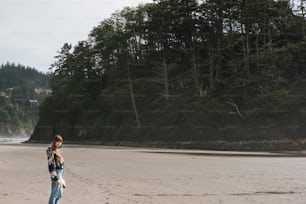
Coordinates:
52	164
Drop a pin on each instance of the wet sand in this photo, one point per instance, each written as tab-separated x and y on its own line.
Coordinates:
134	175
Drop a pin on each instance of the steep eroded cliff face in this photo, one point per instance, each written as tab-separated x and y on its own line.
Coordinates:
12	130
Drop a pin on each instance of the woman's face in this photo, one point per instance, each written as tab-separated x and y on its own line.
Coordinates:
58	144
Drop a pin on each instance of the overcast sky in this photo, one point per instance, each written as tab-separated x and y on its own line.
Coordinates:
32	31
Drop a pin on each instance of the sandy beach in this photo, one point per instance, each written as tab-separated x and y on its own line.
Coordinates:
133	175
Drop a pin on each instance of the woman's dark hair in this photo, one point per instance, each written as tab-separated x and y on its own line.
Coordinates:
56	138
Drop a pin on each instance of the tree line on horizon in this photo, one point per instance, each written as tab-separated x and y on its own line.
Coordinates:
183	64
16	75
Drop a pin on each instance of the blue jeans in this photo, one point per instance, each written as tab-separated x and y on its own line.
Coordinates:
56	191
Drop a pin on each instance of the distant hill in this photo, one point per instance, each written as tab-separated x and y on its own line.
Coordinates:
12	75
22	89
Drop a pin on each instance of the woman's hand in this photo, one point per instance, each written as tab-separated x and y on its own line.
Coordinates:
57	182
63	183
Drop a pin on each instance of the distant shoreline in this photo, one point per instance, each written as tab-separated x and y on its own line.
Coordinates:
248	146
12	139
187	152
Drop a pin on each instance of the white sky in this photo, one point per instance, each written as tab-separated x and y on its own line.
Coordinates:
32	31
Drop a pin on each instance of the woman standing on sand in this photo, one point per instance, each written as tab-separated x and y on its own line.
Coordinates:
56	169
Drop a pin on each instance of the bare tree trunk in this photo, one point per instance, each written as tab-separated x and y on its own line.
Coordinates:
303	15
211	70
218	61
247	59
246	53
195	69
219	32
246	50
132	94
270	41
164	63
166	81
257	52
232	103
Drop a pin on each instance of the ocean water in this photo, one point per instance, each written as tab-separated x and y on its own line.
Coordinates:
12	140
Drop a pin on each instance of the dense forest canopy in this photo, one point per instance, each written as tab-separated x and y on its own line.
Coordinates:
12	75
181	66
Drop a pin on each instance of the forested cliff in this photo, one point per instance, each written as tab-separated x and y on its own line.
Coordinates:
183	70
21	90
